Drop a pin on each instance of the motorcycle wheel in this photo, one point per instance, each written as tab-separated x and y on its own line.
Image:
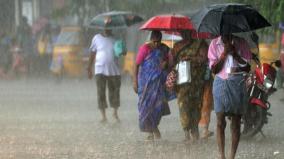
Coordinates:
253	121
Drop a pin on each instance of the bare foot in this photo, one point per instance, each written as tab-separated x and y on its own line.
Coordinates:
115	116
103	120
187	136
194	137
223	157
207	134
150	137
157	134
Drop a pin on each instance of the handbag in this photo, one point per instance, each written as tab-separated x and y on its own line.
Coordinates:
172	77
119	48
171	80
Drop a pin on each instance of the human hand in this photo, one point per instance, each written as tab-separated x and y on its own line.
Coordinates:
231	50
135	86
90	72
164	64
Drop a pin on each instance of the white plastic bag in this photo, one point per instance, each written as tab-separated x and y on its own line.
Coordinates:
184	74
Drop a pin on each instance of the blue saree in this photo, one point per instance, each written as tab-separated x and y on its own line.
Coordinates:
153	96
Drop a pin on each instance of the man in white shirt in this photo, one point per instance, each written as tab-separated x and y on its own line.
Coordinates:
107	72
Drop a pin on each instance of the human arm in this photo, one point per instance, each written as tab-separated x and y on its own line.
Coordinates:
165	64
141	55
243	64
135	78
216	62
90	67
218	65
92	57
242	55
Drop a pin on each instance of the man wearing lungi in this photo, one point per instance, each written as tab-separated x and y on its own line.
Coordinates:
229	58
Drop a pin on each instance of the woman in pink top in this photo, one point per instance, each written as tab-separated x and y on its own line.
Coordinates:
149	83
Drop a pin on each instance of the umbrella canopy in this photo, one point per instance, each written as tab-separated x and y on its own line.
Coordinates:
228	18
115	20
168	22
194	34
251	38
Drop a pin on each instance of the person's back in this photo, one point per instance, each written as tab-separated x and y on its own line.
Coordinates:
107	72
105	63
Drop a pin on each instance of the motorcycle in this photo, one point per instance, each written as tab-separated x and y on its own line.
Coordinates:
259	84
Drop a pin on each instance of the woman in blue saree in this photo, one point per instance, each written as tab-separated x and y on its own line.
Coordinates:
149	82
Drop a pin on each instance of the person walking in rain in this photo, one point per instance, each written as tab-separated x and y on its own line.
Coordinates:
228	59
189	95
24	38
149	80
107	72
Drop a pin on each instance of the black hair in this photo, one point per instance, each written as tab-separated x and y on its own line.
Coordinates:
156	34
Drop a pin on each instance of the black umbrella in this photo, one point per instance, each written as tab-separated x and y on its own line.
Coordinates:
228	18
251	38
115	20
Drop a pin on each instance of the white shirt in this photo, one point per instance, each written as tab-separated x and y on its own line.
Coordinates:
106	63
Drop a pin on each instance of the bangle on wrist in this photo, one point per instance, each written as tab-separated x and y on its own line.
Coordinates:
242	65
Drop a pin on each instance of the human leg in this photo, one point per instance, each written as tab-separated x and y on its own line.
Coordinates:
206	108
101	95
194	118
235	130
184	117
157	133
221	125
114	83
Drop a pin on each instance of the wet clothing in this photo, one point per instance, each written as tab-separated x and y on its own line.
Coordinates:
189	95
230	95
153	97
113	83
229	91
105	63
107	71
216	48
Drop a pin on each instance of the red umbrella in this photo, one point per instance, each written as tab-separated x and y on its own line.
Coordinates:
194	34
168	22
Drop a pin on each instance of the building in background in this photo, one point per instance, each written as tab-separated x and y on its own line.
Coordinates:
11	11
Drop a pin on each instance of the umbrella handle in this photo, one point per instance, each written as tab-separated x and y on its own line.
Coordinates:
172	40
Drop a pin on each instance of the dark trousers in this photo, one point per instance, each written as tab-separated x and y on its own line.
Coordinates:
113	83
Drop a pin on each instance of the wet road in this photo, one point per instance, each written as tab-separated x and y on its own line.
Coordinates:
40	118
